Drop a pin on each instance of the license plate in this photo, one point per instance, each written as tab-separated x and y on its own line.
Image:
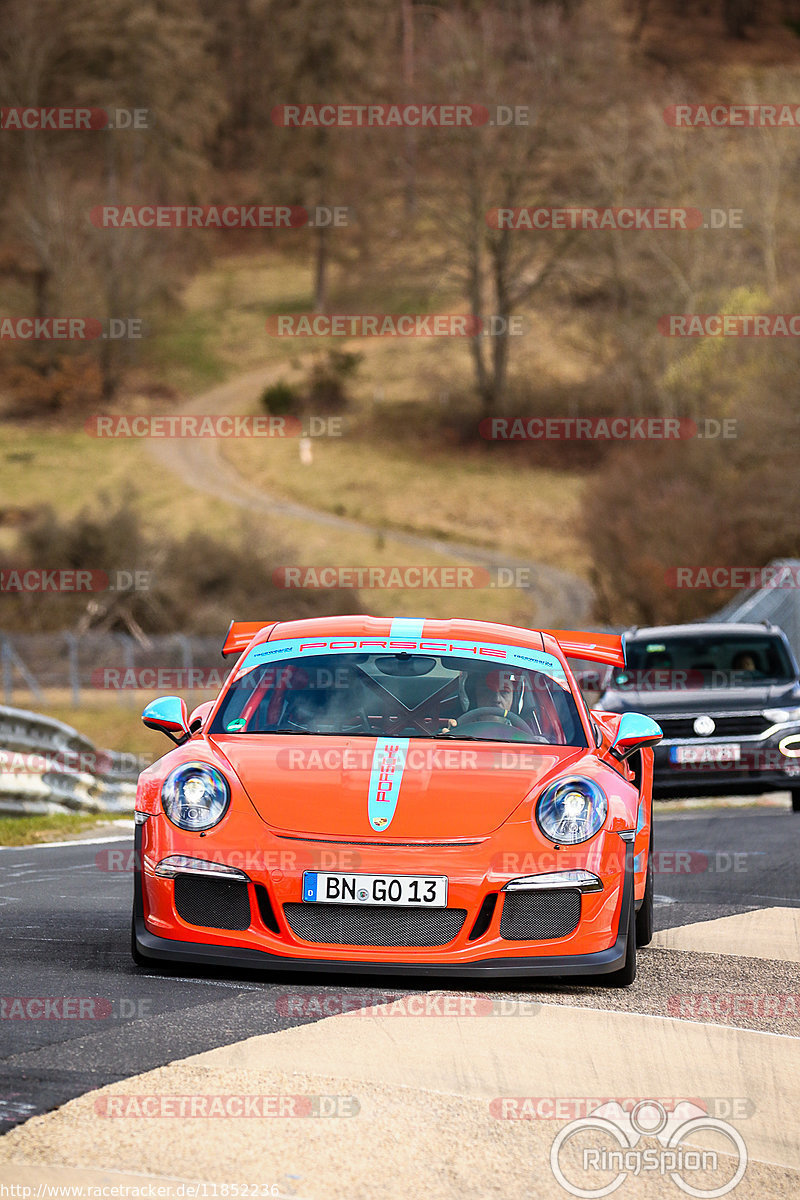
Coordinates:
729	752
327	887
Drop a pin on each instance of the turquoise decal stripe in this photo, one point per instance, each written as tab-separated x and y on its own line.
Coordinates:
516	656
406	627
638	862
640	817
385	777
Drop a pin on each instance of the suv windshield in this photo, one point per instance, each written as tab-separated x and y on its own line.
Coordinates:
478	693
699	661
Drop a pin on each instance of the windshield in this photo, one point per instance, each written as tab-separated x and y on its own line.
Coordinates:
716	661
476	692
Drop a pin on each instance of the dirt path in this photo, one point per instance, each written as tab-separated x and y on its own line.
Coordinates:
558	598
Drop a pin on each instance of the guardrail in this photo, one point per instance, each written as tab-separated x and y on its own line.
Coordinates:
48	767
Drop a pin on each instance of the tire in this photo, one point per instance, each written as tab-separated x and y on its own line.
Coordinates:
644	917
795	799
625	976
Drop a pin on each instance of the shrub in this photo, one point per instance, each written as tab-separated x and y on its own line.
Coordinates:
280	400
326	389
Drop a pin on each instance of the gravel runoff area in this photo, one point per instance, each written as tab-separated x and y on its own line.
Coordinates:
442	1136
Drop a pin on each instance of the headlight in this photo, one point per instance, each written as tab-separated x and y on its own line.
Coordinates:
782	716
571	811
195	796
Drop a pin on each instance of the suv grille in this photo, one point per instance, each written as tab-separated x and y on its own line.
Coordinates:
374	924
727	725
537	916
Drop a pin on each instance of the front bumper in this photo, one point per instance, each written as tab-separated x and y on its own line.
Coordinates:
226	949
763	765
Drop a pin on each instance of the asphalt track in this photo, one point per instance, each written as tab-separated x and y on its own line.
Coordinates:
64	930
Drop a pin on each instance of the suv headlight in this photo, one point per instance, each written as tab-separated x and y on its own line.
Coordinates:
195	796
570	811
782	716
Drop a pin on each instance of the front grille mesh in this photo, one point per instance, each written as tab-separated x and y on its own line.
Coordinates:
212	903
374	924
727	725
539	915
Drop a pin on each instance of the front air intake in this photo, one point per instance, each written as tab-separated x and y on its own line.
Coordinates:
540	914
374	924
212	903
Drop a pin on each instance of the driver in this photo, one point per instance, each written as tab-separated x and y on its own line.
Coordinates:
495	690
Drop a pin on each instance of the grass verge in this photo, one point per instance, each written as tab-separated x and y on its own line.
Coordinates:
47	827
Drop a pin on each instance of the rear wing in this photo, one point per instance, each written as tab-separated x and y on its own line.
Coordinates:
608	648
241	633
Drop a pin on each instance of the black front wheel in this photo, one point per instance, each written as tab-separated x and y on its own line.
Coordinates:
137	957
795	799
644	917
625	976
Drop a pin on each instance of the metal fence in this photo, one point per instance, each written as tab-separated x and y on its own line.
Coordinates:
35	664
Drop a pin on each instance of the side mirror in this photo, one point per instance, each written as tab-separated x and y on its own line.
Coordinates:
199	715
168	715
634	732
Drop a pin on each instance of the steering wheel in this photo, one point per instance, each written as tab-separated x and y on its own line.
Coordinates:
474	715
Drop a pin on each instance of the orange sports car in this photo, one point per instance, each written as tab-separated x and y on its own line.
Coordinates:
384	796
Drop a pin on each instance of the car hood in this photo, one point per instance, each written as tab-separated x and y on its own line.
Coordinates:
700	700
327	785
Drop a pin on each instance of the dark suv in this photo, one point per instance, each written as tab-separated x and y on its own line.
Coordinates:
728	700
